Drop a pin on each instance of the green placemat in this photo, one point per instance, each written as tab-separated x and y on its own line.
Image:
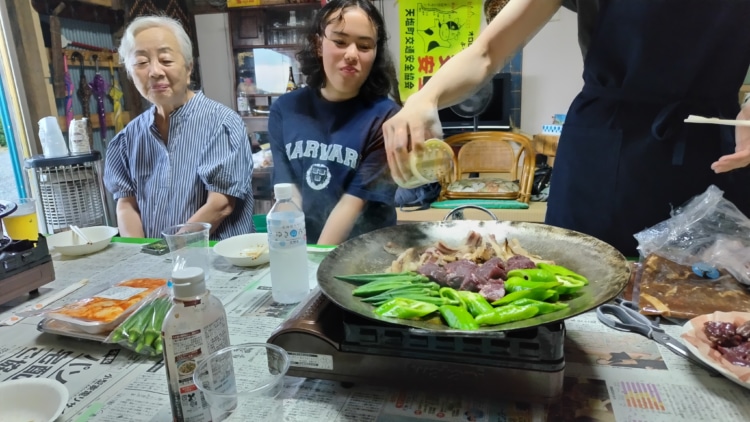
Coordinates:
510	204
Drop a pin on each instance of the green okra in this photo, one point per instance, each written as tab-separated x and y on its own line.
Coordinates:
381	286
366	278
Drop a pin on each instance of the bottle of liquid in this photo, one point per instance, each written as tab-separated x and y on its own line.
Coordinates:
290	85
195	327
287	244
243	105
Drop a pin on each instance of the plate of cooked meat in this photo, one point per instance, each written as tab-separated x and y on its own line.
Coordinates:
722	340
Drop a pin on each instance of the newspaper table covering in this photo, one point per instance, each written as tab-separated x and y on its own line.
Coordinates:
610	375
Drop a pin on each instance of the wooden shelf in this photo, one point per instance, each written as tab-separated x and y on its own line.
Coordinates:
268	46
88	58
309	5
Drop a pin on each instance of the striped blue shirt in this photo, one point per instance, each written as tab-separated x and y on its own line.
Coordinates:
207	150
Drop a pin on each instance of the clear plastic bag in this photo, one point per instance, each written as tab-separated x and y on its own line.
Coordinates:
708	229
141	331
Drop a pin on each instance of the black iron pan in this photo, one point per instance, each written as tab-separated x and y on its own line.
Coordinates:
606	268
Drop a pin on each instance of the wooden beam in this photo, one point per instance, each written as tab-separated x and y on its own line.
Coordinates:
32	58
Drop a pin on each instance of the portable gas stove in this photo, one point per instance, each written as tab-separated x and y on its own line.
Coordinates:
24	267
326	342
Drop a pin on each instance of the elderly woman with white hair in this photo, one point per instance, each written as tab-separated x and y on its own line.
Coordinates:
185	159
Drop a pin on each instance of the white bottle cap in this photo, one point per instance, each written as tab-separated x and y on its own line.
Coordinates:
282	191
188	282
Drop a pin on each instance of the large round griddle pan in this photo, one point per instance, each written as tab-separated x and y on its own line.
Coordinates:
606	268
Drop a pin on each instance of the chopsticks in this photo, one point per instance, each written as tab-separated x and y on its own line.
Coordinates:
716	121
80	234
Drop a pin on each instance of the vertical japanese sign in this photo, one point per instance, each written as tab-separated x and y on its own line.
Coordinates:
432	31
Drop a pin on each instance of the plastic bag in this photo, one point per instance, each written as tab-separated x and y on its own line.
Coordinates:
141	331
420	197
708	229
102	308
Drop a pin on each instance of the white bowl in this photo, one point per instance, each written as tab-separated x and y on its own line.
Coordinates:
236	249
20	400
68	243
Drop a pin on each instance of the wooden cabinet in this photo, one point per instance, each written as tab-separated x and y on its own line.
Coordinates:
247	28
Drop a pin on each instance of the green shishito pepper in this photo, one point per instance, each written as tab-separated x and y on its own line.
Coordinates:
570	281
515	284
405	308
476	304
544	307
458	317
538	293
505	314
533	274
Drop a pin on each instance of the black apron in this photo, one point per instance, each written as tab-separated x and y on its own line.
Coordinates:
625	157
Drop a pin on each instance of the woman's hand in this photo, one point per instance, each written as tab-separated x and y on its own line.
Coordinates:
741	156
407	131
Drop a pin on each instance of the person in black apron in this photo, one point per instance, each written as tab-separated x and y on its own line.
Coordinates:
625	157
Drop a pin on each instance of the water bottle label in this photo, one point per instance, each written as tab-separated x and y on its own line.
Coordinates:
287	234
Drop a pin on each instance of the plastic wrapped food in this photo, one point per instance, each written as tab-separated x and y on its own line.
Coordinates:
106	309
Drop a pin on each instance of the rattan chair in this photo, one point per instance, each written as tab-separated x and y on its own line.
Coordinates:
505	162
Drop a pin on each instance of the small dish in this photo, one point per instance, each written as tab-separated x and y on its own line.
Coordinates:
699	346
19	400
245	250
68	243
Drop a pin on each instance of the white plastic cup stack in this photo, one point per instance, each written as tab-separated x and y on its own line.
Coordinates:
51	138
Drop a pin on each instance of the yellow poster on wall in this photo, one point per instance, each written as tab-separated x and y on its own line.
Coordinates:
431	32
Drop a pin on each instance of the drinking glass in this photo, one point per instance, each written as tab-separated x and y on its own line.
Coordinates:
188	245
243	382
22	223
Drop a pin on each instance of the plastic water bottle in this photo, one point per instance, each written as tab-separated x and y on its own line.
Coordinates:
287	244
194	328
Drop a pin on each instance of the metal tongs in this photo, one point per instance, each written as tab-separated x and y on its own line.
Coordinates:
80	234
716	121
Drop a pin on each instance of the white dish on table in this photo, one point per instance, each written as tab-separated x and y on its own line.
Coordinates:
68	243
245	250
693	329
20	400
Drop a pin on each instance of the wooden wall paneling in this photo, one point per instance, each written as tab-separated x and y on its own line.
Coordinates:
32	57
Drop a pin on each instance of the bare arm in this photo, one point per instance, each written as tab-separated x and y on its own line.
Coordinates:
460	77
217	207
129	218
341	220
741	156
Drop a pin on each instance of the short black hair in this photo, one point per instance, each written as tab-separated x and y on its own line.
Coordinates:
382	79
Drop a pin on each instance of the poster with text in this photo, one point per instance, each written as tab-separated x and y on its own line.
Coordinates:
432	31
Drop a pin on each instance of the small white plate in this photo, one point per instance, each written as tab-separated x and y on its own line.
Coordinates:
689	330
19	400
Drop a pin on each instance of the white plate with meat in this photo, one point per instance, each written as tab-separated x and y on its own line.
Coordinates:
723	344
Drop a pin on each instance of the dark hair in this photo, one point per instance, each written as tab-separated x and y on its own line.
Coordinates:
382	78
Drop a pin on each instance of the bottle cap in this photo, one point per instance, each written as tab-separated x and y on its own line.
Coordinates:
282	191
188	282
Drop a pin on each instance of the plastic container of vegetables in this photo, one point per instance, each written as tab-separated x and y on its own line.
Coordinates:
107	309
